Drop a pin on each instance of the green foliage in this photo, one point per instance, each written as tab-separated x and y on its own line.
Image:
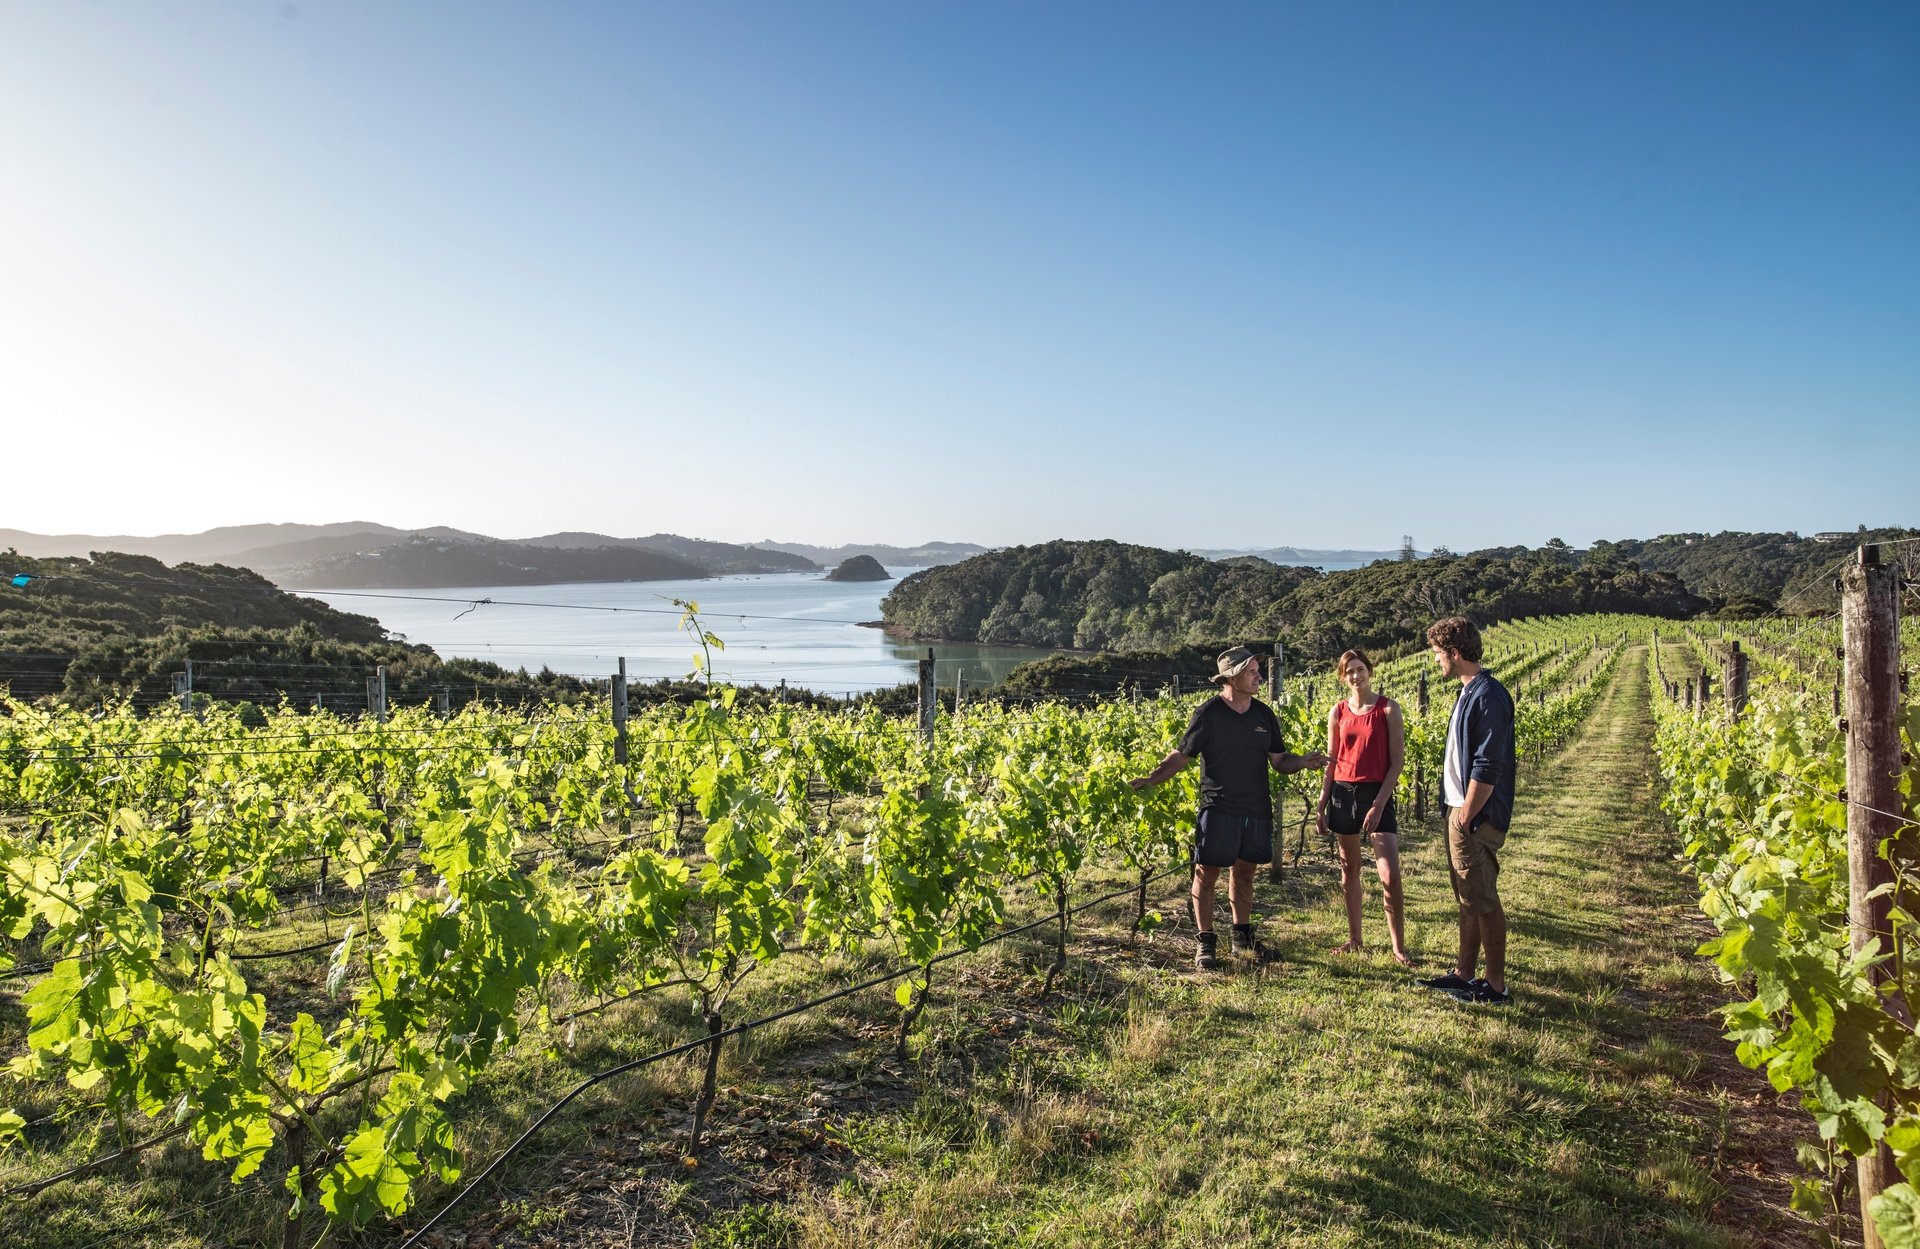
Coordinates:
158	844
1114	597
1756	800
1747	574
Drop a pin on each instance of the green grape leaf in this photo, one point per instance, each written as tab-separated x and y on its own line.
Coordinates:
1896	1215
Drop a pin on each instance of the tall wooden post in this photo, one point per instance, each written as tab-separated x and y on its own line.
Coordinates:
1736	680
959	688
1420	706
1273	675
619	692
443	701
618	698
377	694
1689	693
1706	687
1870	630
927	699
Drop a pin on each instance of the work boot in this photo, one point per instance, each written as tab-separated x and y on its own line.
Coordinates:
1206	951
1244	946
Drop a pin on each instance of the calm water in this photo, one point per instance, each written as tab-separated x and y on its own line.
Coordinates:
795	626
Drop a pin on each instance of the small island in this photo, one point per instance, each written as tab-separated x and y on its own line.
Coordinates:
860	568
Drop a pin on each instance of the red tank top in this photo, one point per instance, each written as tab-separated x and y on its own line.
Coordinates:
1360	742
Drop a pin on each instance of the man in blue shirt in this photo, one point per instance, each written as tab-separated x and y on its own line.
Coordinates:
1478	780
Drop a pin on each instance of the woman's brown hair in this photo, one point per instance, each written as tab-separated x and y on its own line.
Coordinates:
1340	667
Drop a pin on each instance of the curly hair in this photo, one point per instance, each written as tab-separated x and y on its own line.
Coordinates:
1456	634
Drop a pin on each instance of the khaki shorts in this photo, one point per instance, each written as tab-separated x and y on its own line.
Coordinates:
1473	864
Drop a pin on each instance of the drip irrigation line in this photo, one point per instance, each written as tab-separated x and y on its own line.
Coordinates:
314	948
1843	797
717	1037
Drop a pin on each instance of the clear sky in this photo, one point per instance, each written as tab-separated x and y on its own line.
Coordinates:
1190	275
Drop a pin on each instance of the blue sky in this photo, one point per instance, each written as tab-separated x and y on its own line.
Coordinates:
1212	275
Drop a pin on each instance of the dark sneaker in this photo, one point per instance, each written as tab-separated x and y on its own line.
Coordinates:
1243	943
1206	951
1481	993
1452	982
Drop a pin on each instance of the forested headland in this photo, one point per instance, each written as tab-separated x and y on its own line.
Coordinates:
1111	596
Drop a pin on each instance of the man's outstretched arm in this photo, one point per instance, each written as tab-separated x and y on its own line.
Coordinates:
1168	766
1287	764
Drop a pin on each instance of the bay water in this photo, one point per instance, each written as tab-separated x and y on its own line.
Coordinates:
799	627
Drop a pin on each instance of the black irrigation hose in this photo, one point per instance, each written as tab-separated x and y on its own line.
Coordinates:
717	1037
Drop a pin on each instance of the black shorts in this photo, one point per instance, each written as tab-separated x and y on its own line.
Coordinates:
1221	840
1348	803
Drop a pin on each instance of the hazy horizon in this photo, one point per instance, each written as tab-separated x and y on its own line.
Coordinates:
1422	547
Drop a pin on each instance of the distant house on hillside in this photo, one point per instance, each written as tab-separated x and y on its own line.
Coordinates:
1832	535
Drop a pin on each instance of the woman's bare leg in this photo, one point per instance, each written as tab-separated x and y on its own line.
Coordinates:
1386	850
1352	885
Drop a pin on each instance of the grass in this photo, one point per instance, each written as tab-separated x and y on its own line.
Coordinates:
1318	1100
1327	1101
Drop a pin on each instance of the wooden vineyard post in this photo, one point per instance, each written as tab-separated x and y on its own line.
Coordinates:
443	701
928	700
1689	693
1706	688
1420	705
619	699
1736	680
1276	870
959	689
1870	631
377	694
1273	676
780	695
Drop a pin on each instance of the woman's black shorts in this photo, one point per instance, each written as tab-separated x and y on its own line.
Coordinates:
1349	802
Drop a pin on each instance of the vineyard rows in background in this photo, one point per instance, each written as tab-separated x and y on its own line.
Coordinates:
1810	885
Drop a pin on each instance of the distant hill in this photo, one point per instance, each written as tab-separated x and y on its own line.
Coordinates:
297	553
1304	555
1751	572
716	557
860	568
1101	595
424	563
241	546
926	555
121	626
1116	597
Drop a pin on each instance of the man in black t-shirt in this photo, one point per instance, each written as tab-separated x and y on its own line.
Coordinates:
1236	737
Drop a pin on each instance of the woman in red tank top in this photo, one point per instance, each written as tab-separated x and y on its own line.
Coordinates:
1367	742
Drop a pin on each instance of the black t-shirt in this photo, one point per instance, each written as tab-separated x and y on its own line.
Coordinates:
1233	747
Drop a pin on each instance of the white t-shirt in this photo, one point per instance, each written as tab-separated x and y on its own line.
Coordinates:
1454	773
